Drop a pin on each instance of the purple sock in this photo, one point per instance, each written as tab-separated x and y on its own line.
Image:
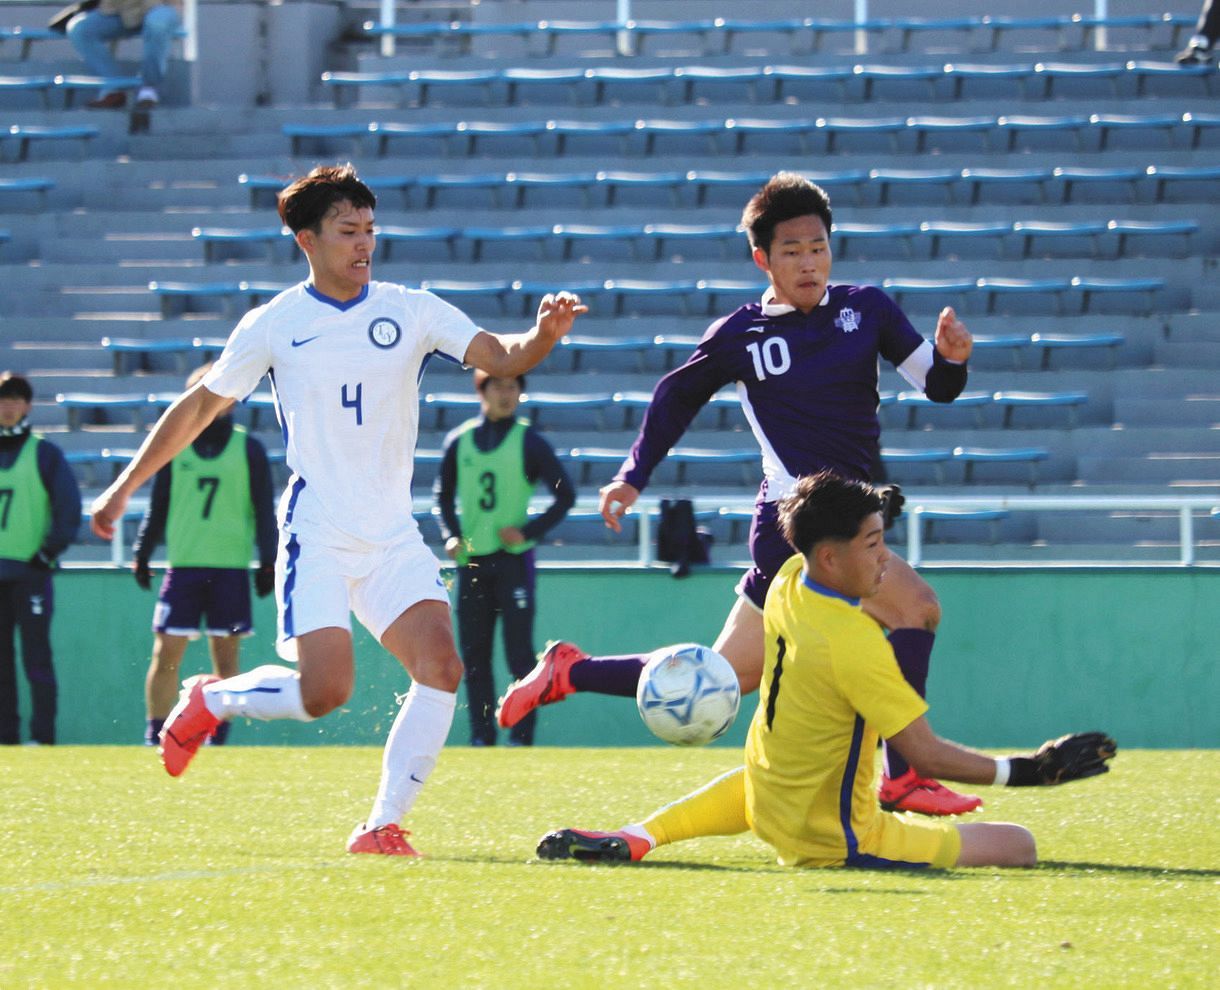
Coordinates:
221	735
913	650
617	675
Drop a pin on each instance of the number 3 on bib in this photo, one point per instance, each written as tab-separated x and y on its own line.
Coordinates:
353	402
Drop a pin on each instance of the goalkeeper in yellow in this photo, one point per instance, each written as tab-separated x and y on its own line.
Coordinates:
831	689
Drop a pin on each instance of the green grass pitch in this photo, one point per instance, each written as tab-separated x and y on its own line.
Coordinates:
114	875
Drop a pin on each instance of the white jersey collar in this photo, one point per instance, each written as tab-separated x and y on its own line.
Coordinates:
772	308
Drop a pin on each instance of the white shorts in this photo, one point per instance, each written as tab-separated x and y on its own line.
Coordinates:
319	586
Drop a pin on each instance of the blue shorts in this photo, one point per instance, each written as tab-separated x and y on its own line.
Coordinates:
219	597
768	551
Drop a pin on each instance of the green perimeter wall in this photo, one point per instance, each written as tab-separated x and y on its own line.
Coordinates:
1021	655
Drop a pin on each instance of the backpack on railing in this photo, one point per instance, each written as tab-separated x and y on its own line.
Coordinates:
680	542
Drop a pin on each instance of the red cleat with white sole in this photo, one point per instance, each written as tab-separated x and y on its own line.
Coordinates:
547	683
925	796
385	840
188	726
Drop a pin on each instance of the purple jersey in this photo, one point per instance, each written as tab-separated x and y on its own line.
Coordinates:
807	383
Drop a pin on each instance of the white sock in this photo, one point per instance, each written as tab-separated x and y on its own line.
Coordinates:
415	741
266	692
640	832
147	93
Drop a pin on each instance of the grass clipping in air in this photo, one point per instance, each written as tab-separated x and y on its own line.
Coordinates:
113	874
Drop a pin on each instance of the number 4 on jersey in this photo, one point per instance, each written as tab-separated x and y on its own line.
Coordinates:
354	402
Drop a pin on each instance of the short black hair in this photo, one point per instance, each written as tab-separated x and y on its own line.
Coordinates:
826	506
15	386
304	203
786	195
481	378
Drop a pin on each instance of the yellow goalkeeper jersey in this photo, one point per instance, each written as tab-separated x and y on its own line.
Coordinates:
830	688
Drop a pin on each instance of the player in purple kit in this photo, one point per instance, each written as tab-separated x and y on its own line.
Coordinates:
804	360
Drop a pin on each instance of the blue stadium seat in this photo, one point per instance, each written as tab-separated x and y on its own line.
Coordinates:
997	24
412	132
1052	342
720	234
1140	229
427	80
541	406
674	346
926	127
913	178
578	346
836	127
1143	72
25	38
390	235
1030	456
995	288
462	292
692	77
70	85
928	517
949	289
27	134
1014	343
616	180
341	83
535	234
910	458
473	131
913	402
520	183
1051	72
124	349
299	134
788	78
1029	231
42	85
903	77
1107	123
961	73
461	182
1199	124
979	178
39	186
267	238
740	128
1014	125
1165	176
566	130
177	297
1072	176
739	291
908	27
1091	287
847	233
1012	401
653	81
98	468
518	79
102	406
938	231
681	131
628	294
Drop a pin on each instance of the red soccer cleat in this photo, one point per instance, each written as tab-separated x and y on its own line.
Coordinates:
385	840
593	847
547	683
188	726
910	792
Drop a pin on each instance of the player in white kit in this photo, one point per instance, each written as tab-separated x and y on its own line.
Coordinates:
344	355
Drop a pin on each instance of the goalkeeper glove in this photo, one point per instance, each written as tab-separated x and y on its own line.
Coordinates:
892	501
264	580
42	562
1073	757
142	573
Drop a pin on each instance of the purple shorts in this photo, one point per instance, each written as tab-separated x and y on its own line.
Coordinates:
219	597
768	550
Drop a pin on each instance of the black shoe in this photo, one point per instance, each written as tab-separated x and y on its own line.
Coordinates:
592	847
111	101
1194	55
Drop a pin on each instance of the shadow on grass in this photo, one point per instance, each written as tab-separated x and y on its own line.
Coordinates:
1121	868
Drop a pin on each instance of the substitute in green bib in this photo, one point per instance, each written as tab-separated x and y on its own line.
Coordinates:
39	515
212	505
489	472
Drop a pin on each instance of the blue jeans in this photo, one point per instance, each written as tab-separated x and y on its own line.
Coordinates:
91	34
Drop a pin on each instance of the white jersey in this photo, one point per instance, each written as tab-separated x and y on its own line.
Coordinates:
346	383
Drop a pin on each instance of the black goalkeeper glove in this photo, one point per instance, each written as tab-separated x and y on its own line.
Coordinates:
892	501
264	580
142	573
1074	757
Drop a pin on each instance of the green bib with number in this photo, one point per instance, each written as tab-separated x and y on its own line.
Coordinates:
492	489
25	506
211	515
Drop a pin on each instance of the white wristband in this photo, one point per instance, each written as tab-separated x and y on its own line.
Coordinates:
1003	767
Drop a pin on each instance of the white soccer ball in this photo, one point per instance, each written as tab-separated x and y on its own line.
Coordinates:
688	694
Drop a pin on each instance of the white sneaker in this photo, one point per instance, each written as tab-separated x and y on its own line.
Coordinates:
147	98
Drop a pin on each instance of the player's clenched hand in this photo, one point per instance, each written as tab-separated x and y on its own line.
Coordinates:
557	313
953	340
614	500
1074	757
106	511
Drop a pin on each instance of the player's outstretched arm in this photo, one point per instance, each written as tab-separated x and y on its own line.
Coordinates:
508	355
180	424
953	340
613	502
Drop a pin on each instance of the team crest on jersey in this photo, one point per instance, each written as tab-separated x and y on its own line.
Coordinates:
848	321
384	332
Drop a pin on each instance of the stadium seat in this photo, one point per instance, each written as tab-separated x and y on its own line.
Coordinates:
790	79
341	83
846	233
519	79
42	85
1199	124
11	187
299	134
1014	343
1143	72
902	78
1071	177
27	134
628	294
1107	123
913	402
1091	287
25	37
177	297
979	178
928	517
680	132
462	293
593	131
101	407
390	235
267	238
886	179
578	346
1052	72
836	127
533	234
961	73
1140	229
614	181
1015	125
1165	176
652	81
427	80
996	25
741	128
70	85
1030	231
1012	401
692	78
520	183
1029	456
1049	343
938	231
98	468
927	128
948	289
414	133
720	234
994	288
461	183
910	458
128	350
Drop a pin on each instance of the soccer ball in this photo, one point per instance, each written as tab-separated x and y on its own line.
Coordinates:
688	694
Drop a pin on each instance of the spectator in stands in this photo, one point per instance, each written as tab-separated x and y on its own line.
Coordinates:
221	503
490	468
91	34
805	360
1201	46
40	510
